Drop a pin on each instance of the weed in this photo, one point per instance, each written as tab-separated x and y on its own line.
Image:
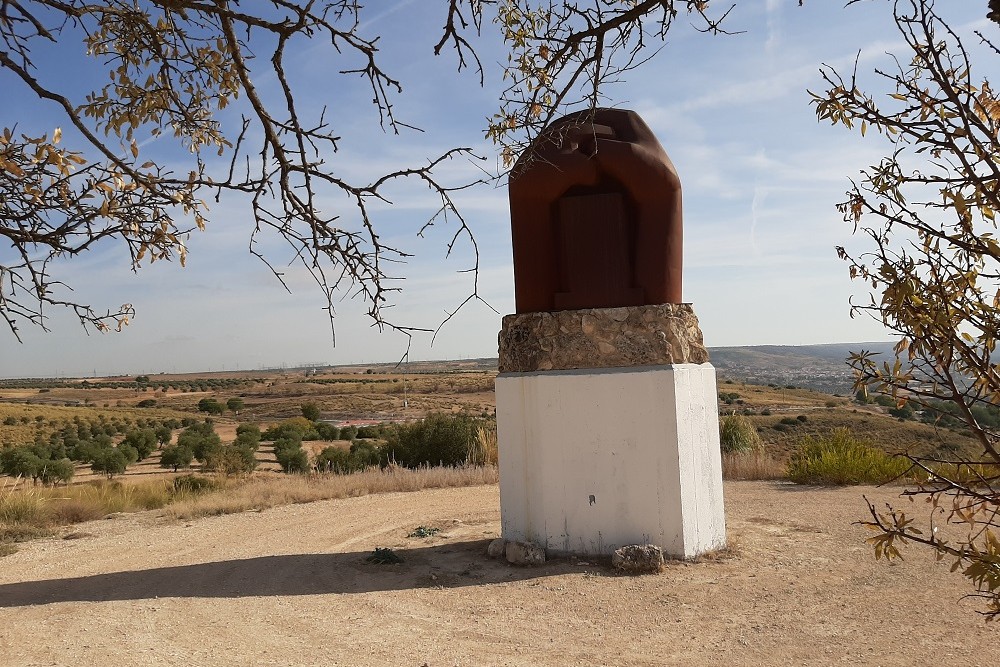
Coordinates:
424	531
384	556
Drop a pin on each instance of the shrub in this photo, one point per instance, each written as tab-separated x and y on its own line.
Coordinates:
231	460
446	440
738	434
310	411
327	431
841	458
802	418
789	421
293	459
296	428
146	403
211	406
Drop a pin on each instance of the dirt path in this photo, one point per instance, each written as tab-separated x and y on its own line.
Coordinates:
290	586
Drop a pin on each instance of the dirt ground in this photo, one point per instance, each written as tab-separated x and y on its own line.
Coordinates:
290	586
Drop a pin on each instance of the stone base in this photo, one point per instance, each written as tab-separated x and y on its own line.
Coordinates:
592	460
650	335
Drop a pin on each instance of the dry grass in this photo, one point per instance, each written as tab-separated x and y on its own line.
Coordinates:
484	450
28	512
264	491
757	464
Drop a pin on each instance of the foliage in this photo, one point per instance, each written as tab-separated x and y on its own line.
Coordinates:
144	441
310	411
737	434
296	428
327	431
176	456
110	462
360	456
292	459
231	460
211	406
841	458
201	439
929	210
235	404
439	439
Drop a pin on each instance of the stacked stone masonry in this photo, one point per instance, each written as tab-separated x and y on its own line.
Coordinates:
651	335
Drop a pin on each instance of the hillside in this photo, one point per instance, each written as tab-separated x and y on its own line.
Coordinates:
819	367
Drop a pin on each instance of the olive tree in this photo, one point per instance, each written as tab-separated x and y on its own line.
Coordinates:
932	261
169	68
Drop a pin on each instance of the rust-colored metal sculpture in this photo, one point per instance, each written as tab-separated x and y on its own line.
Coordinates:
596	216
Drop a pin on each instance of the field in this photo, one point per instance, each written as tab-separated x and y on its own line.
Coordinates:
272	569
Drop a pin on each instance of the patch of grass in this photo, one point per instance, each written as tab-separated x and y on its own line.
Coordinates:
757	464
840	458
6	549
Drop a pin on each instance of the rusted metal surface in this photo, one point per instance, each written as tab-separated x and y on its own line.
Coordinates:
596	216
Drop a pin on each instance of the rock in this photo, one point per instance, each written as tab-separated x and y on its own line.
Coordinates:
652	335
638	559
522	553
497	548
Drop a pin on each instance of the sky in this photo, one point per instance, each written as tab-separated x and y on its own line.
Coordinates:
760	175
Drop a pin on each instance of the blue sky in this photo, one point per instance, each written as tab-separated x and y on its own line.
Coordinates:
761	178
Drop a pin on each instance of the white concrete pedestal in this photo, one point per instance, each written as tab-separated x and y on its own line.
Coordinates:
591	460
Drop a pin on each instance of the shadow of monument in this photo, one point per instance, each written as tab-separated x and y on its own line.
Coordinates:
448	565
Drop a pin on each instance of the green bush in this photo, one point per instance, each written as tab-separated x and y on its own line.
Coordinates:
439	439
293	459
738	434
840	458
361	455
232	460
296	428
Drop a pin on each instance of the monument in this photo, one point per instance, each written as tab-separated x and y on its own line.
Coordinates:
606	402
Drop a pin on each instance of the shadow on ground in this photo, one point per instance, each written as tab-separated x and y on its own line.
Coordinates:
448	565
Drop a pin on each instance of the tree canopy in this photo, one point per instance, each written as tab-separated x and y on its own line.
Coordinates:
170	69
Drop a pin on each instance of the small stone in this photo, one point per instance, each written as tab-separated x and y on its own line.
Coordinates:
496	548
522	553
638	559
